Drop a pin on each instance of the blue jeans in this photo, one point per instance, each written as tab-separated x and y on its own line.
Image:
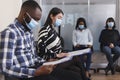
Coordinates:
109	51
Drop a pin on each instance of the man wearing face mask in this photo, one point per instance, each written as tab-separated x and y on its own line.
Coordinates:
18	57
110	41
32	23
17	51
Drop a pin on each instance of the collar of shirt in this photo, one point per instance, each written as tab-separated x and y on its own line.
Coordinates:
81	30
17	23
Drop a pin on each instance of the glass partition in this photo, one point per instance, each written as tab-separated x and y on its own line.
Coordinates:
94	11
72	10
99	11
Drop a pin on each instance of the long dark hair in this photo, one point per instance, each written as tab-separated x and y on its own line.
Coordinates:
80	20
54	11
110	19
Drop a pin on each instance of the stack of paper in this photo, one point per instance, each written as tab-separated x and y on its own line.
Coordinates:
71	54
58	61
79	52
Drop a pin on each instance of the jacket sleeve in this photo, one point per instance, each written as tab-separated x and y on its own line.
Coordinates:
102	38
117	43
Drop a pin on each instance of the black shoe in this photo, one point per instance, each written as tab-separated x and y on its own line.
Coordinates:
117	68
106	71
113	70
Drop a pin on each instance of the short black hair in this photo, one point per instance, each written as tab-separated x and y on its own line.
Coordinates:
30	5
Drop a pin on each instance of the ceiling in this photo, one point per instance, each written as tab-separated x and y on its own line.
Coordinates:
78	2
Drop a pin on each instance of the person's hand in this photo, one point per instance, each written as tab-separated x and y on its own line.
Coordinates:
44	70
111	45
60	55
52	60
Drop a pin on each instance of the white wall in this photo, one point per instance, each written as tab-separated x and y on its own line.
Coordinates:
9	10
118	14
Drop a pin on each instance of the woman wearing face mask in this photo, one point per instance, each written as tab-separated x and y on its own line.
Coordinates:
109	40
49	41
49	45
82	39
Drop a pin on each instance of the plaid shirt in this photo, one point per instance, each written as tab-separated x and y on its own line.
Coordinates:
17	51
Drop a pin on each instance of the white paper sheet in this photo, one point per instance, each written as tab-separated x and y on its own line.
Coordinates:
79	52
58	61
71	54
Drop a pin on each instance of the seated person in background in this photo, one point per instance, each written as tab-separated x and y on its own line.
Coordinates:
17	51
109	40
82	39
49	44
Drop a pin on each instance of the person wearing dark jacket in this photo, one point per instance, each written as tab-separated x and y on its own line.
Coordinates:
109	42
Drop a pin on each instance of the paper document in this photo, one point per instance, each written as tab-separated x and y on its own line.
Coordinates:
71	54
58	61
79	52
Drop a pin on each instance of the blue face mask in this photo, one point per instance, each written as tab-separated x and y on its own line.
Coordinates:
58	22
81	27
32	24
110	24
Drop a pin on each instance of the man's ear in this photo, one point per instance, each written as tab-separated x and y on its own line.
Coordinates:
27	17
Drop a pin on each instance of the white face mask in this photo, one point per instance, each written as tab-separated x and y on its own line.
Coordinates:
110	24
81	27
32	24
58	22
